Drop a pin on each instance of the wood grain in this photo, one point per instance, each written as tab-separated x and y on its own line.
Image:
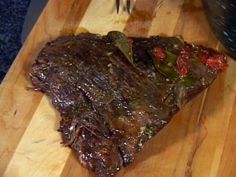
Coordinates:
199	141
17	104
34	146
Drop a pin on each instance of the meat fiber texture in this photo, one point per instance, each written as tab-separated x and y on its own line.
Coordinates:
110	106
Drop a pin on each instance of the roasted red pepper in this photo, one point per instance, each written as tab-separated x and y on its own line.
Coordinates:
159	53
182	65
203	57
216	62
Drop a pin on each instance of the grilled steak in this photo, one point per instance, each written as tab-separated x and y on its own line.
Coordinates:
114	93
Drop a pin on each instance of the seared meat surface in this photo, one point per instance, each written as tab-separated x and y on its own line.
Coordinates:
110	106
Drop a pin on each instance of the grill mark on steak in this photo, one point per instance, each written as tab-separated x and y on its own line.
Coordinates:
109	108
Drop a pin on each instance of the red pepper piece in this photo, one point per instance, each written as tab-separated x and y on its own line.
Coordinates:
217	62
203	57
159	53
182	65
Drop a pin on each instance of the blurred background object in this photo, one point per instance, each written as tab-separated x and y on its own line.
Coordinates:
128	4
12	14
34	10
221	15
17	17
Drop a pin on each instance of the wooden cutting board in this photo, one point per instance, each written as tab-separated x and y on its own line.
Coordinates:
199	141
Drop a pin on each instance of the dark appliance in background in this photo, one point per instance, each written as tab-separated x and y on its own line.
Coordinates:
221	15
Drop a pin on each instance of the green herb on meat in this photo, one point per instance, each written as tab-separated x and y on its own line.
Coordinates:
120	40
167	66
147	131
